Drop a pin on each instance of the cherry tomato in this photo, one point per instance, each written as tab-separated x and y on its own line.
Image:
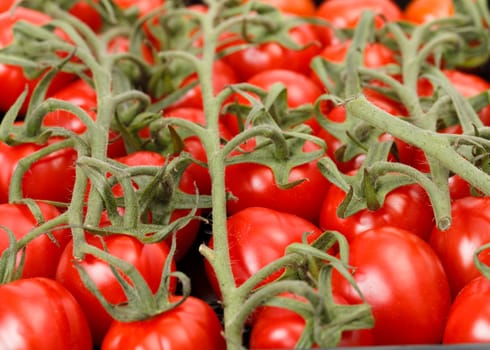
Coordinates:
148	259
254	185
258	236
223	75
303	8
6	5
407	207
403	280
469	316
192	323
185	236
301	89
194	146
42	254
346	14
39	313
50	178
272	55
13	76
456	246
422	11
280	328
84	11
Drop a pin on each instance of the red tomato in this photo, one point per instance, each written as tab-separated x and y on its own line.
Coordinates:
280	328
192	324
6	5
254	185
42	254
303	8
469	230
407	207
13	76
337	114
422	11
39	313
301	89
403	280
193	145
375	54
346	14
148	259
267	56
258	236
223	75
469	316
185	236
84	11
50	178
84	96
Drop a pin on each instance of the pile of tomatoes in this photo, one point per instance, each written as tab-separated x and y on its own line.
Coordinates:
201	175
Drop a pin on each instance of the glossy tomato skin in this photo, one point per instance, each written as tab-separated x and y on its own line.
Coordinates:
422	11
42	254
88	14
39	313
469	230
254	185
346	14
271	55
148	259
301	89
407	207
303	8
82	95
185	236
223	75
257	236
50	178
469	316
403	280
192	324
13	76
279	328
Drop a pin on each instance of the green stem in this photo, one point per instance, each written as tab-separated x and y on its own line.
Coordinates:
433	144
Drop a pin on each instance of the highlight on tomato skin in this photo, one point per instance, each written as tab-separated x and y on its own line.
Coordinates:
423	11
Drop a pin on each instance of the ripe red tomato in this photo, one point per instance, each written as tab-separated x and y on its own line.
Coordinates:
280	328
271	55
258	236
13	76
407	207
193	145
84	11
469	316
185	236
50	178
42	254
191	324
456	246
254	185
6	5
403	280
346	14
303	8
81	94
39	313
148	259
422	11
375	54
301	90
223	75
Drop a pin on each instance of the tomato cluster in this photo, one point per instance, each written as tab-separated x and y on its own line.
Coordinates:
280	179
